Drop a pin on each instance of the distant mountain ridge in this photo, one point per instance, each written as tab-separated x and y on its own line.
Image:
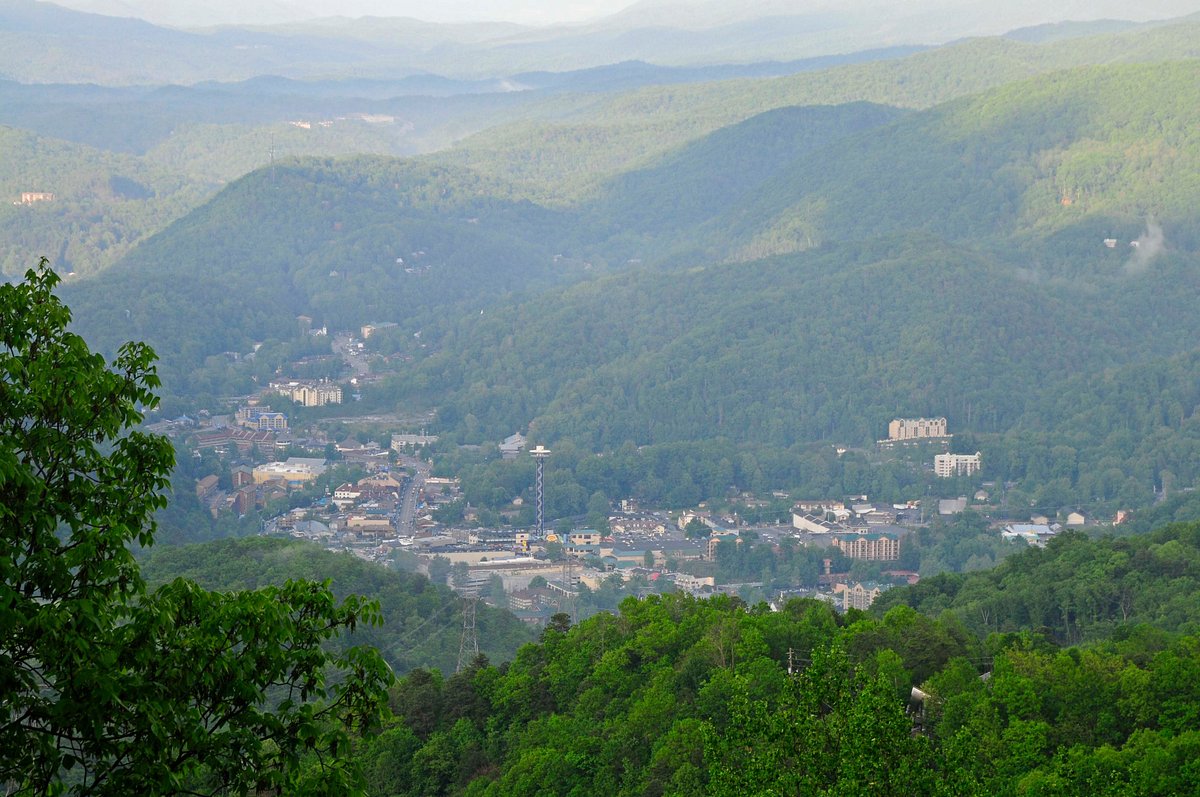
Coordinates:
47	43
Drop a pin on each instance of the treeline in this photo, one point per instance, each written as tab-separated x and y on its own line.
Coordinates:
1075	589
678	475
675	695
422	622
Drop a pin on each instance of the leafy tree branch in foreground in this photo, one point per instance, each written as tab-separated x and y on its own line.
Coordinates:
106	687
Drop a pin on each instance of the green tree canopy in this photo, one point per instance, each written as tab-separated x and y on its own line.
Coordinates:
108	688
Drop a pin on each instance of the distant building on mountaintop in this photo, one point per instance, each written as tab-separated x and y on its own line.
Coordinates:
916	428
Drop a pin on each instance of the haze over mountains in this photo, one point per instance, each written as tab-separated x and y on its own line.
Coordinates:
55	44
704	252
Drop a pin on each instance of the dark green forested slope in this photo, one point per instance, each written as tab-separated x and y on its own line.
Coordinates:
679	696
722	171
105	203
347	243
421	621
832	344
820	346
1056	163
564	160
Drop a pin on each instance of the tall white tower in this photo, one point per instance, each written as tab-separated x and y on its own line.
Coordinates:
539	454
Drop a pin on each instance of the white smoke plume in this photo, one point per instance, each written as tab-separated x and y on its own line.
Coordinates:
1147	247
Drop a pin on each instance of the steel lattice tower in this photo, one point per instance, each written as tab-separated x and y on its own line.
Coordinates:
468	644
539	454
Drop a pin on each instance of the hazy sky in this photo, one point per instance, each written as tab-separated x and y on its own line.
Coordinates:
677	13
529	12
534	12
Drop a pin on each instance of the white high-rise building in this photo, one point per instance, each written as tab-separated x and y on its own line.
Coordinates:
950	465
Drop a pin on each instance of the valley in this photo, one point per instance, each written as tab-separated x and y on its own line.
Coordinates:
675	417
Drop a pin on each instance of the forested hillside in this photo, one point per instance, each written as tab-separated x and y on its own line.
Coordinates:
572	135
1077	589
675	695
1056	163
562	160
421	621
104	204
347	243
950	261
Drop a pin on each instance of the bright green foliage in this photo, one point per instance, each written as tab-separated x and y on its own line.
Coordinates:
670	696
1076	589
677	696
108	688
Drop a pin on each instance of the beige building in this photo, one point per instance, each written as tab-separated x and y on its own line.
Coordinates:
369	524
261	419
310	394
950	465
295	470
916	428
857	595
872	547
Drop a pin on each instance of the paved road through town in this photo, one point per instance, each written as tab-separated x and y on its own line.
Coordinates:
406	525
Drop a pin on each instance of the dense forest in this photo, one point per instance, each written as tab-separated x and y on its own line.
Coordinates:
1079	590
675	695
104	203
422	622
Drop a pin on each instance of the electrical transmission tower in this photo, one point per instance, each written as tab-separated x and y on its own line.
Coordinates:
468	644
568	604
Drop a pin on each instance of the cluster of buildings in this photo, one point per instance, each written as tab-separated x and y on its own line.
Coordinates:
245	440
932	431
256	487
860	531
